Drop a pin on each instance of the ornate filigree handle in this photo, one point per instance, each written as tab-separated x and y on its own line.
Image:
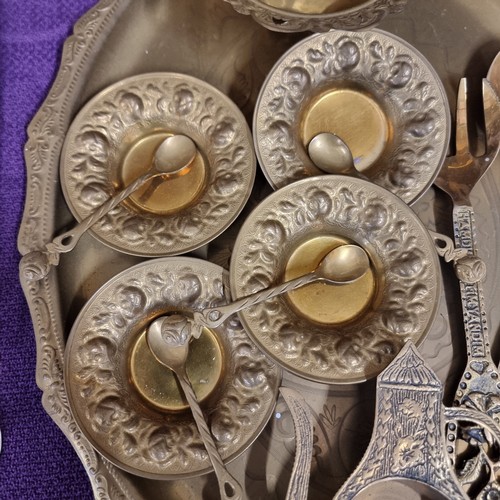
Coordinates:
215	316
480	384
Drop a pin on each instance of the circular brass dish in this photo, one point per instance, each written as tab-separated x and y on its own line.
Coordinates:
397	301
317	15
319	302
373	90
128	405
159	386
112	141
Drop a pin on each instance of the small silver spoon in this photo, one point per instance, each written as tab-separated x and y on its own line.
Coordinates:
332	155
344	264
168	338
172	158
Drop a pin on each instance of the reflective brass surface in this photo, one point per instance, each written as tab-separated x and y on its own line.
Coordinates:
139	108
158	385
321	302
159	195
313	6
372	89
115	387
355	117
402	258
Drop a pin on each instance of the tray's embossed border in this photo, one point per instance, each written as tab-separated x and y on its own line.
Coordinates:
45	138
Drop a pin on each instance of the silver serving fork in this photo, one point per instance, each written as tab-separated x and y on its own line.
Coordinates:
479	387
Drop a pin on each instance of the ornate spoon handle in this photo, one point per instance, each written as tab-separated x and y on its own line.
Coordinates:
480	382
215	316
36	265
67	241
228	486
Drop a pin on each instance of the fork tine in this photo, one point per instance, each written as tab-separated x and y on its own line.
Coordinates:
461	132
491	106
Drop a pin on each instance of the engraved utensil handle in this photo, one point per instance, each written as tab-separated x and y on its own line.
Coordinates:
215	316
35	265
228	486
470	271
303	427
68	240
481	376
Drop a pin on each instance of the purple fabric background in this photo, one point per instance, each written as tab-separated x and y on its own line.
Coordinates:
36	460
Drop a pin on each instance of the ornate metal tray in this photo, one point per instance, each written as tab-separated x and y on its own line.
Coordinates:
122	38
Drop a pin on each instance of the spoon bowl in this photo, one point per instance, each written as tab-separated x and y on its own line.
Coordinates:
168	338
331	154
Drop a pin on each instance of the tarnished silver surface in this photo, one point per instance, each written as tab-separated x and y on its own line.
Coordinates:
127	111
304	443
399	247
408	441
369	13
120	425
479	386
121	38
388	69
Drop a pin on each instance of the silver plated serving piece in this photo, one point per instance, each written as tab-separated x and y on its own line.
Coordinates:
127	404
113	138
479	387
374	91
304	443
335	334
407	452
314	15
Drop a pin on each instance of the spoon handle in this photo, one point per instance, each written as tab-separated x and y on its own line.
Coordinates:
67	241
228	486
215	316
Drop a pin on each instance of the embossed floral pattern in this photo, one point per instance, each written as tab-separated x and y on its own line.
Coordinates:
358	211
112	415
175	104
383	66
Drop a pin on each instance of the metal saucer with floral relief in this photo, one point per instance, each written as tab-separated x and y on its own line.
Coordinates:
370	88
336	334
112	141
129	406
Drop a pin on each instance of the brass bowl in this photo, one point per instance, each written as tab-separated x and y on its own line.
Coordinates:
112	141
336	334
317	15
374	91
128	405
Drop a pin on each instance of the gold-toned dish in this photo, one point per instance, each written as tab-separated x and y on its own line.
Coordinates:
374	91
112	141
349	333
128	405
317	15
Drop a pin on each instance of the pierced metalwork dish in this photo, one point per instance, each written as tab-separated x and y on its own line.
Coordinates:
348	333
314	15
112	141
372	89
128	405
